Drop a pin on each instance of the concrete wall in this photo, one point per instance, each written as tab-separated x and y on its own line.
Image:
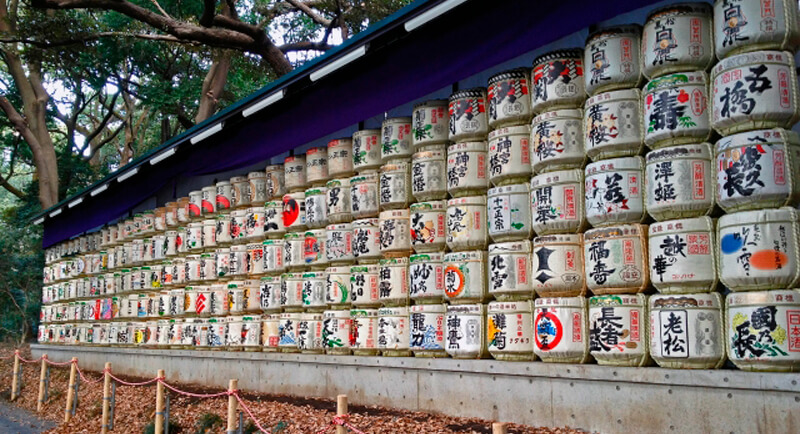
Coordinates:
591	397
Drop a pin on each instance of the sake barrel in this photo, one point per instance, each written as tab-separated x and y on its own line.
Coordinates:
241	191
613	57
338	201
273	219
430	123
395	138
753	91
465	331
466	223
223	257
677	38
217	336
238	223
508	213
314	284
222	233
510	155
339	243
366	240
364	285
238	260
612	124
616	260
426	330
292	292
428	226
294	169
426	277
366	150
465	279
614	191
758	250
208	267
193	239
560	329
224	196
393	331
162	339
276	181
758	169
255	258
686	331
509	330
558	80
742	26
364	331
287	332
429	174
314	248
676	182
618	330
194	207
218	300
681	256
557	202
336	331
309	333
340	157
364	195
337	287
270	294
762	330
510	271
273	256
255	223
258	188
468	120
393	281
294	211
317	165
676	109
192	271
171	219
294	250
509	96
177	302
557	141
466	169
395	185
395	233
270	333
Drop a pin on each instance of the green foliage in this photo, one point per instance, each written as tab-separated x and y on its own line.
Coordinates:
209	423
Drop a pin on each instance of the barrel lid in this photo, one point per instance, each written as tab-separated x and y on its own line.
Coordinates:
625	230
430	154
364	268
342	141
403	261
753	58
681	226
293	235
471	255
239	248
475	92
336	314
365	222
509	189
315	275
365	177
396	165
426	257
394	214
467	147
774	136
614	96
618	300
681	9
434	205
523	246
467	200
191	193
697	151
428	308
397	120
273	168
393	311
569	53
340	182
558	114
271	279
579	302
615	164
668	301
316	191
236	179
516	73
472	309
774	215
513	130
342	269
301	159
698	78
317	150
431	103
259	174
611	31
368	313
290	315
339	227
270	204
557	177
776	297
508	306
364	133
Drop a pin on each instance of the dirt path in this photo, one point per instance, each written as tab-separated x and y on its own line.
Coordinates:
14	419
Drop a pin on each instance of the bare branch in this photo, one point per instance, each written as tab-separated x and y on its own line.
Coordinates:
306	45
160	9
304	8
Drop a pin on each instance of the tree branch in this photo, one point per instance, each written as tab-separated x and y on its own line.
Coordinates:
209	10
304	8
306	45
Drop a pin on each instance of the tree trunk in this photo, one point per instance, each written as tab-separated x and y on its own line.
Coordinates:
213	85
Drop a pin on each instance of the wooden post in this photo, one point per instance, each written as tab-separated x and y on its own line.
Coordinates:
341	410
106	396
42	375
233	384
15	376
160	404
499	428
73	370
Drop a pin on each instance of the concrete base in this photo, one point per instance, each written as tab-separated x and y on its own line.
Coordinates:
590	397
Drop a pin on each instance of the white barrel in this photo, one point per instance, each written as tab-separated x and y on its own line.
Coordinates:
258	188
396	138
509	330
677	38
429	173
758	250
270	294
510	270
314	284
748	26
292	291
364	331
393	331
222	232
195	208
510	155
509	96
202	299
614	191
255	259
681	255
314	248
270	332
395	185
686	331
294	250
294	169
223	257
294	211
618	330
337	201
217	335
560	330
366	150
426	277
364	195
761	330
677	182
613	125
428	226
218	301
754	90
615	259
276	181
393	281
395	233
336	331
287	332
426	329
224	196
252	303
339	243
430	123
557	202
465	331
273	256
241	191
366	240
468	118
465	279
238	226
162	331
758	169
340	157
466	168
317	165
255	222
466	223
612	57
251	333
238	260
177	302
337	287
192	271
309	333
508	213
208	267
676	109
193	240
364	285
557	141
558	80
273	219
